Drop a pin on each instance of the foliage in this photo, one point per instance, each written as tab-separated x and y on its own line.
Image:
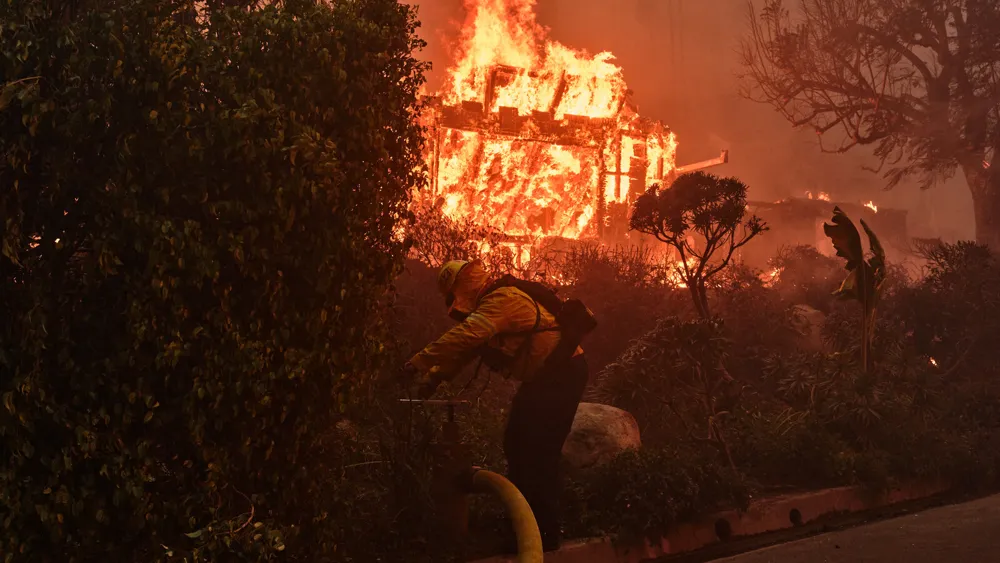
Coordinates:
956	308
758	320
915	80
675	372
698	205
805	276
200	222
865	276
620	265
797	419
787	447
642	494
438	238
627	289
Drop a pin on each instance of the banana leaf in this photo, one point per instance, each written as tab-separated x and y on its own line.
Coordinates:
865	277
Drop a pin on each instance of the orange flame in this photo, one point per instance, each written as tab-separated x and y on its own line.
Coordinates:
533	137
675	275
771	278
871	205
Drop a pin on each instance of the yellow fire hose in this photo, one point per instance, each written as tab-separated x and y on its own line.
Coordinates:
529	540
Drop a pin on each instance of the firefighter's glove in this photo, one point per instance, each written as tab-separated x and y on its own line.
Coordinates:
421	385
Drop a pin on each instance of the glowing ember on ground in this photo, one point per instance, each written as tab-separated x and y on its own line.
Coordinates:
934	362
871	205
533	137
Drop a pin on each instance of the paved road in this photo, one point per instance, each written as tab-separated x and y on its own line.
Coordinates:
963	533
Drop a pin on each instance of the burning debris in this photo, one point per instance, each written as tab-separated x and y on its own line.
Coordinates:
821	196
537	139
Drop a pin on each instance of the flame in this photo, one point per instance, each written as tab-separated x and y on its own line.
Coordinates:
934	362
823	196
675	275
771	278
533	137
871	205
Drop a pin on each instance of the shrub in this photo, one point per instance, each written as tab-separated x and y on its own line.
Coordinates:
805	276
438	238
786	447
642	494
954	311
757	320
673	380
628	290
200	223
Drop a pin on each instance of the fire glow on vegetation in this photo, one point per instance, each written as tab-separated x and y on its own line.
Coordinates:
771	278
535	138
871	205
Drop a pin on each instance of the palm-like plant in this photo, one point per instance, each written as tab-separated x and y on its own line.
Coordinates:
866	273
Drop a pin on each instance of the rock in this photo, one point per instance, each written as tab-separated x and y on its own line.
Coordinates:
809	323
600	432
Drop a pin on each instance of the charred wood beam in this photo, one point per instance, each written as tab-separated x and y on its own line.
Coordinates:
560	92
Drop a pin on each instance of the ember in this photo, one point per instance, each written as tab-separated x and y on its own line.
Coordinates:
533	137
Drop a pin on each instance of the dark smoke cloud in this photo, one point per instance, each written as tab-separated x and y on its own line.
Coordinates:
681	60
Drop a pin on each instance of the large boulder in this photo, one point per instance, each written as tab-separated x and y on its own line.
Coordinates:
600	432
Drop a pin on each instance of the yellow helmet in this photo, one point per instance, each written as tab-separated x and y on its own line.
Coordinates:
449	274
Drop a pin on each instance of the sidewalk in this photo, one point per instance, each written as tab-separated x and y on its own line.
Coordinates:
962	533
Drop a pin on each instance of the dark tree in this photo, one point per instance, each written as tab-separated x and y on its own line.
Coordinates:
200	222
704	218
916	80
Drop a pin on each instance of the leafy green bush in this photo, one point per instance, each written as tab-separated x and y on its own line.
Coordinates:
805	276
674	381
955	310
200	222
788	448
757	321
642	494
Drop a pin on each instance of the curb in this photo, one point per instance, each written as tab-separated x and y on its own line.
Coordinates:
768	514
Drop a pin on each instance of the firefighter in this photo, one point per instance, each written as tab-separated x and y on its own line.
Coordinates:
512	333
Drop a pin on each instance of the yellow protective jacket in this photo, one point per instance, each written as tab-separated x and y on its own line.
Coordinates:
494	320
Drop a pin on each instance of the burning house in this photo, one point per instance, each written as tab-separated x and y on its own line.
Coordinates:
537	139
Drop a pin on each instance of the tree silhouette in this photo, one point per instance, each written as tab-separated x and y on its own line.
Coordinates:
917	80
703	217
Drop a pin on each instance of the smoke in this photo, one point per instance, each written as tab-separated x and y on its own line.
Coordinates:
681	60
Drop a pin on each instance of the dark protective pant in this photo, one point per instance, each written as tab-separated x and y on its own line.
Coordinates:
541	416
